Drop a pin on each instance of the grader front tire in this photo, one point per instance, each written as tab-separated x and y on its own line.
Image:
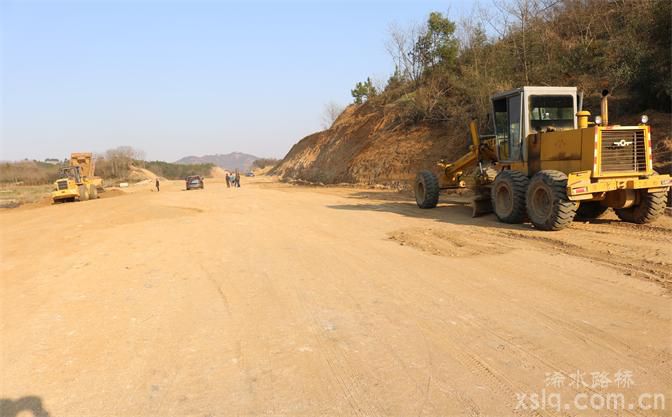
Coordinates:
651	206
508	196
426	190
547	204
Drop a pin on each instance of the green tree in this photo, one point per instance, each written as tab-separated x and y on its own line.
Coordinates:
437	46
363	91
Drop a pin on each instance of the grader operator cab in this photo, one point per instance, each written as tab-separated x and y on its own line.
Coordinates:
547	162
77	181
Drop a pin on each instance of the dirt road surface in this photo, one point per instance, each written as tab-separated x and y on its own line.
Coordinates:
274	299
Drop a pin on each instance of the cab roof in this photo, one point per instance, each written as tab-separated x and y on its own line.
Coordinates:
537	90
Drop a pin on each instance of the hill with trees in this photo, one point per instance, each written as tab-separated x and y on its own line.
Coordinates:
445	72
230	161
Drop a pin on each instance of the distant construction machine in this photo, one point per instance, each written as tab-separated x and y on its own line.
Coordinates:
77	181
547	162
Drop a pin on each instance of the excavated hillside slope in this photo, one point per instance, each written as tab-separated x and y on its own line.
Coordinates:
365	145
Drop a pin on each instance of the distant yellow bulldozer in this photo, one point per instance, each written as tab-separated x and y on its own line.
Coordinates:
77	181
547	162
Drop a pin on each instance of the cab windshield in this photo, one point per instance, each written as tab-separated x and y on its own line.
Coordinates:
551	111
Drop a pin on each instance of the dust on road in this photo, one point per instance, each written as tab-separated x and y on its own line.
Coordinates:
280	300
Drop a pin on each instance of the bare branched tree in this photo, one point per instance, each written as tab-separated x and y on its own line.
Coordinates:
401	46
331	112
116	162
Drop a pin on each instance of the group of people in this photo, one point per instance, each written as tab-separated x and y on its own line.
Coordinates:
233	179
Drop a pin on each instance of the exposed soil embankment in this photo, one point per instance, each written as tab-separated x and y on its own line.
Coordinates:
367	146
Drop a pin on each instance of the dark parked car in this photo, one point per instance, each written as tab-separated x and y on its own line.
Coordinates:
194	182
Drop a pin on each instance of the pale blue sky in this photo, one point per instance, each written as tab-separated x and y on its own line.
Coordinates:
176	78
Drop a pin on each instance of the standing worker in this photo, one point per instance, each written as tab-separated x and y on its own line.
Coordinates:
157	184
237	179
228	179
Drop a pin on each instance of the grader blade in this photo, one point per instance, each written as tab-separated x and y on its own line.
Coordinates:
481	204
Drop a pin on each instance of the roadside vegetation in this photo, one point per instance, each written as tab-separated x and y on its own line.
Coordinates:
14	195
446	71
28	172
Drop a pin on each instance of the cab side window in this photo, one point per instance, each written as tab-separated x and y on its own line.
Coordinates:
507	127
514	127
502	128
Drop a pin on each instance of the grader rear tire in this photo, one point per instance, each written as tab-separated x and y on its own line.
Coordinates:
426	190
508	196
83	193
547	204
650	207
590	210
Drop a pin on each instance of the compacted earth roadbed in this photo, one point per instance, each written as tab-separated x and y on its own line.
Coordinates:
279	300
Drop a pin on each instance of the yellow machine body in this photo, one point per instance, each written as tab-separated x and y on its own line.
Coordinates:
77	181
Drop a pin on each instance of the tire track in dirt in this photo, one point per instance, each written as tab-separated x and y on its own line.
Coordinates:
620	257
458	353
641	251
596	242
511	239
597	336
339	367
343	374
479	367
625	247
339	363
218	287
433	328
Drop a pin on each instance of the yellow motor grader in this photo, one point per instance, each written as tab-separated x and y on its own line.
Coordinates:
77	181
548	163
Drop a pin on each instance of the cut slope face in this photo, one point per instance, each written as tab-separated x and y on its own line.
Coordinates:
367	146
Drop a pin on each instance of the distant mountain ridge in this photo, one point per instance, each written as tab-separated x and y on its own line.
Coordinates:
230	161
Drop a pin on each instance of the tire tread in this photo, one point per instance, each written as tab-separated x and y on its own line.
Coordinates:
564	210
649	209
519	183
432	189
